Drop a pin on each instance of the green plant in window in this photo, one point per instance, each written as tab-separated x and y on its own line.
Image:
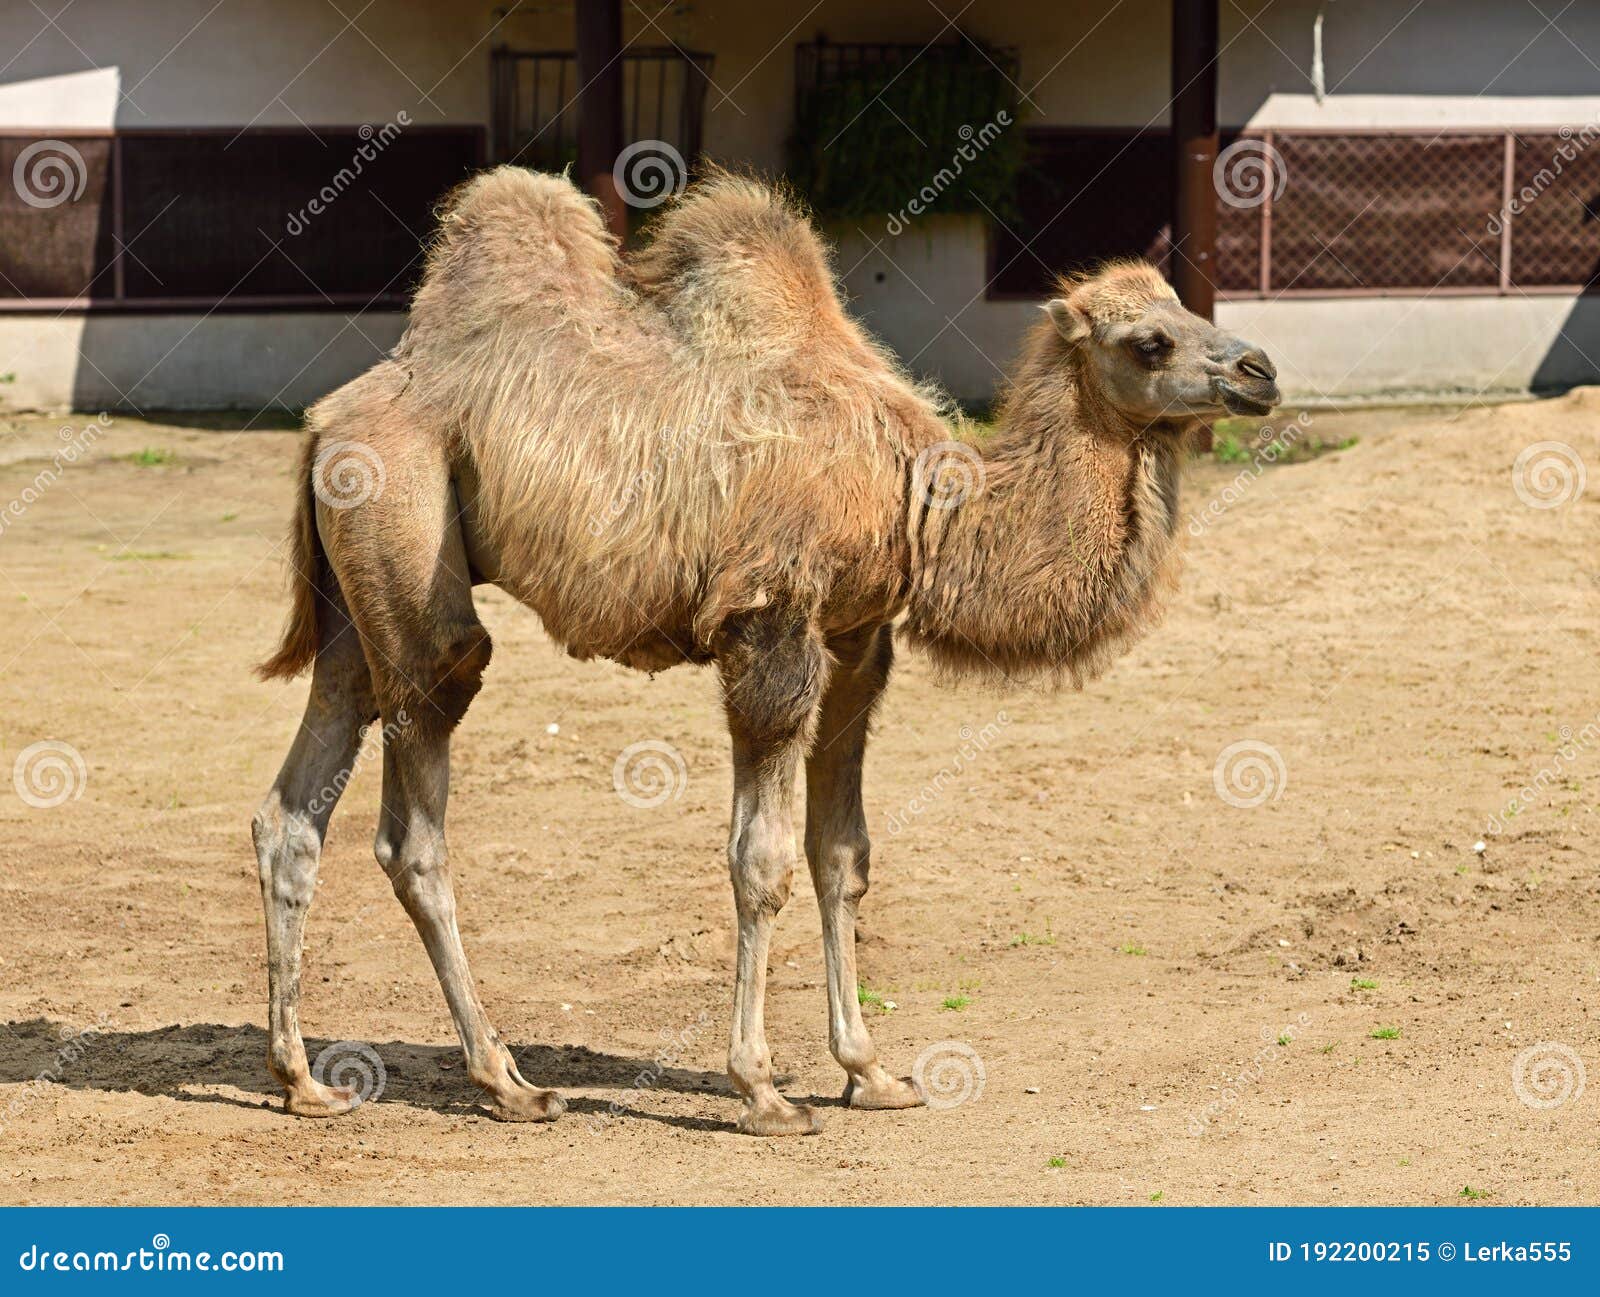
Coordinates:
936	134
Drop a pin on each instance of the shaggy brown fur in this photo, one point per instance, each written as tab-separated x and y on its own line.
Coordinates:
700	457
1070	548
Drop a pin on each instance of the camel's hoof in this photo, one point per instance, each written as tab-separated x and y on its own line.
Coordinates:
312	1099
780	1119
882	1093
527	1105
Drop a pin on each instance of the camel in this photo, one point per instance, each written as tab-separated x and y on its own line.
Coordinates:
696	456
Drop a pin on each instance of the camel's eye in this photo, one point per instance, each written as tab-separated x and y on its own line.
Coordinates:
1154	346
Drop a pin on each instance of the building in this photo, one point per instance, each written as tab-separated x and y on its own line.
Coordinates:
222	203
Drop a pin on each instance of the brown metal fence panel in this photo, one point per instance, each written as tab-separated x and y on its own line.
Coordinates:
1237	267
1387	212
219	217
56	218
1342	212
284	215
1554	210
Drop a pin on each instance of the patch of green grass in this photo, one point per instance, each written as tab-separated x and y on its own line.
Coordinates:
230	515
1405	1161
152	457
1386	1033
1471	1194
1328	1048
1131	948
1237	441
1056	1163
956	1002
146	556
870	999
1363	984
1029	939
1284	1040
1158	1195
1227	449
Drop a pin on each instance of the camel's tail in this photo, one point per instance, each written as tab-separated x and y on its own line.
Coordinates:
298	648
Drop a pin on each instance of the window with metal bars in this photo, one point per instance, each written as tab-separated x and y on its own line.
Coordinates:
534	94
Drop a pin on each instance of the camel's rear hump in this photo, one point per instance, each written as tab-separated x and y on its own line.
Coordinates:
512	241
740	273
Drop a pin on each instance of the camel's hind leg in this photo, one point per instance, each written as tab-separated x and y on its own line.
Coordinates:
288	832
773	669
411	849
401	561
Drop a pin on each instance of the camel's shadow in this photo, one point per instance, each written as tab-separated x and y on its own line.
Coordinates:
183	1062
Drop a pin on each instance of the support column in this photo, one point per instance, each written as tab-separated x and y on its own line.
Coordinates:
1194	151
599	24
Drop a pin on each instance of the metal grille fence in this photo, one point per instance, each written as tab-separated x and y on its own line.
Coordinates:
1324	213
1374	212
1554	226
535	95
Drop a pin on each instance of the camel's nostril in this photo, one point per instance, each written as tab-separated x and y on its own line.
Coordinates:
1256	365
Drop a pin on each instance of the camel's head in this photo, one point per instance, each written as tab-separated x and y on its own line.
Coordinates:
1151	359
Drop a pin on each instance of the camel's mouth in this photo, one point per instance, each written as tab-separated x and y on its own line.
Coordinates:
1237	401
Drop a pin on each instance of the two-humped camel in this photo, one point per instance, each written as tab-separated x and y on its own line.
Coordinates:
699	457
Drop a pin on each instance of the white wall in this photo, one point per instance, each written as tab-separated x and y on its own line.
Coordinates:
249	62
187	361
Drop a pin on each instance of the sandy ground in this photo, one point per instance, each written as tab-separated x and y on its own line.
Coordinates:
1173	997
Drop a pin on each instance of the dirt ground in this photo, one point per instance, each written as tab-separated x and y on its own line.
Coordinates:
1175	996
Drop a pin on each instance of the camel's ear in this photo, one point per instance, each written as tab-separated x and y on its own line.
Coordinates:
1071	323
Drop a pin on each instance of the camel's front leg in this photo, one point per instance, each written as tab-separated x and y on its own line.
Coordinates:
838	852
772	675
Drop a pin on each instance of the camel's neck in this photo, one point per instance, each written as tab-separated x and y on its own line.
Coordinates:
1066	549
